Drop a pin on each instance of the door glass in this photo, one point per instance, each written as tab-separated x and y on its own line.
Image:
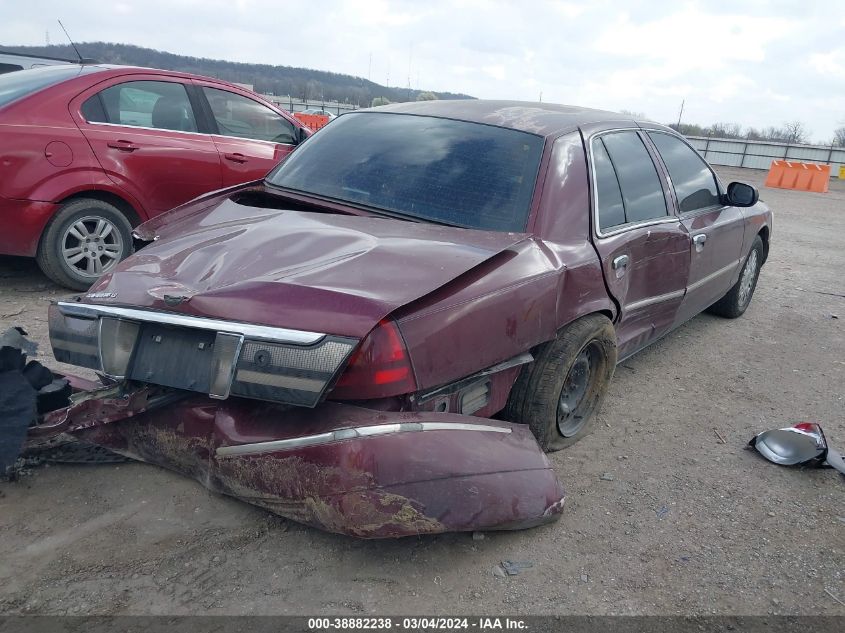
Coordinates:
611	209
642	193
694	183
152	104
245	118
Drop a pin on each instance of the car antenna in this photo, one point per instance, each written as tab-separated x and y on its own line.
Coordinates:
81	59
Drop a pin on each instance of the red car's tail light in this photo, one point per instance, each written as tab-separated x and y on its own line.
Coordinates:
379	368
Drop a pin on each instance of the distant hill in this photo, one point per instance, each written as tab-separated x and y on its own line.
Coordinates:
302	83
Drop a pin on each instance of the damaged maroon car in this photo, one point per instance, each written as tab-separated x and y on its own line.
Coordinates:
405	274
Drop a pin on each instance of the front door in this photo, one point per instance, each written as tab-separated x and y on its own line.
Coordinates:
644	249
145	135
251	137
716	231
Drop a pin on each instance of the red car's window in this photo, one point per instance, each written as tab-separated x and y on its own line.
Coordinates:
152	104
441	170
239	116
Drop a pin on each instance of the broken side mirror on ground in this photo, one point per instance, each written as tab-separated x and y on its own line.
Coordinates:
801	445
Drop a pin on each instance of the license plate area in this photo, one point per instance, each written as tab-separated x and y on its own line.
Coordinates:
174	357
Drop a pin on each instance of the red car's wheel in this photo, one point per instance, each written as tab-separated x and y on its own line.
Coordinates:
561	392
86	239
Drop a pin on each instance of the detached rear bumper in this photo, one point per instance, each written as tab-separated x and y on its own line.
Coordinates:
21	225
345	469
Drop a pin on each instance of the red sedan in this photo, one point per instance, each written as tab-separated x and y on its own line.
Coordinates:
88	152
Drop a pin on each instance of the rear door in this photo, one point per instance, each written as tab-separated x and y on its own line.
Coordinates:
716	231
643	247
251	137
147	136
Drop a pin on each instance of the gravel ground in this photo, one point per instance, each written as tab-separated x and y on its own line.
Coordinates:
682	523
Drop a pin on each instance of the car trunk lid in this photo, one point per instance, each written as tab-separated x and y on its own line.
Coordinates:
331	273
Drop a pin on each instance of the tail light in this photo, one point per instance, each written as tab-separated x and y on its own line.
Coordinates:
379	368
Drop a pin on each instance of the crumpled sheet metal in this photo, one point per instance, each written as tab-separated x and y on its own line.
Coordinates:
368	486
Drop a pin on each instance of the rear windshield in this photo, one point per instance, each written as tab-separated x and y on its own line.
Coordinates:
450	172
16	85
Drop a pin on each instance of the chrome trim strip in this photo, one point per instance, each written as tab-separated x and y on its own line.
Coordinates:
280	380
239	343
249	330
352	433
642	303
729	268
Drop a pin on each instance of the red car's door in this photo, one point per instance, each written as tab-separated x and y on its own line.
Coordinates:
251	137
716	230
643	247
145	133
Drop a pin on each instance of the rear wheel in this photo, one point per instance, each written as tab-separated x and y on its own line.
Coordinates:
737	299
559	395
86	239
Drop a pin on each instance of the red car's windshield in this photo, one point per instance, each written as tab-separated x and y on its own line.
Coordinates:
21	83
440	170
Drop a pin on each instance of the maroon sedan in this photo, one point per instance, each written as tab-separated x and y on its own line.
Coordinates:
88	152
406	272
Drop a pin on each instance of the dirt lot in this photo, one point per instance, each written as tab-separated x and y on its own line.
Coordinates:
685	523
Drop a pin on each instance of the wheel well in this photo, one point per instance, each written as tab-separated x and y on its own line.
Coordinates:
764	236
111	198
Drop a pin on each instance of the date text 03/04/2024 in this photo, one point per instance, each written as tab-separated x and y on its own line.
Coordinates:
416	623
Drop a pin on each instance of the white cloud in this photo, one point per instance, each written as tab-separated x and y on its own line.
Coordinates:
754	62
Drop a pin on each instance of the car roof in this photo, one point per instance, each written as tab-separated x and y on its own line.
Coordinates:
115	70
544	119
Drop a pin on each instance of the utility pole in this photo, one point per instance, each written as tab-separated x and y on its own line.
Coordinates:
370	67
541	96
681	113
47	37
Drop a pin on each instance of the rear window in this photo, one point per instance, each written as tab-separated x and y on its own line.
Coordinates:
450	172
16	85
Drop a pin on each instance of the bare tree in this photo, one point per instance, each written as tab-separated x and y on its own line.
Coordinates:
426	96
726	130
839	137
795	132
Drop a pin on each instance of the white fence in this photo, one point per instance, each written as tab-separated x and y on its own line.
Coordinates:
760	154
298	105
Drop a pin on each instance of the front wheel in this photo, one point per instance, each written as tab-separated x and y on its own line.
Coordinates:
86	239
559	395
737	299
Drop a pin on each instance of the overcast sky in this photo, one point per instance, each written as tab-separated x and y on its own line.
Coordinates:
756	63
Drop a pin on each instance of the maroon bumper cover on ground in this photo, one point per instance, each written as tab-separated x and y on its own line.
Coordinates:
338	467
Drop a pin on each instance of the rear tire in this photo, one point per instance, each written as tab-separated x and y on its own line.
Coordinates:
738	298
84	240
559	395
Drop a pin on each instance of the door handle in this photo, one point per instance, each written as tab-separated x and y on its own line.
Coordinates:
619	264
123	146
237	157
699	240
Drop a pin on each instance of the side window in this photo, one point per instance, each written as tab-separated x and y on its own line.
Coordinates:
153	104
242	117
622	156
694	183
611	208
